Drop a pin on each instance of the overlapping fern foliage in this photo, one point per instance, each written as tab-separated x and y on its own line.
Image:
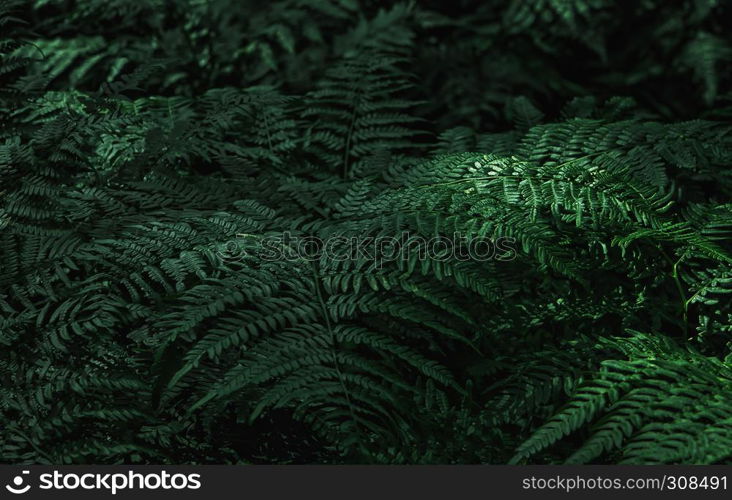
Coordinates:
149	149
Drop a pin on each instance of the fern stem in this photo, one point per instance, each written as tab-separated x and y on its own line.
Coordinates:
269	137
349	135
334	344
680	288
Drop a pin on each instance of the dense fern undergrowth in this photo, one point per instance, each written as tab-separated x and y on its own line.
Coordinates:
150	149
